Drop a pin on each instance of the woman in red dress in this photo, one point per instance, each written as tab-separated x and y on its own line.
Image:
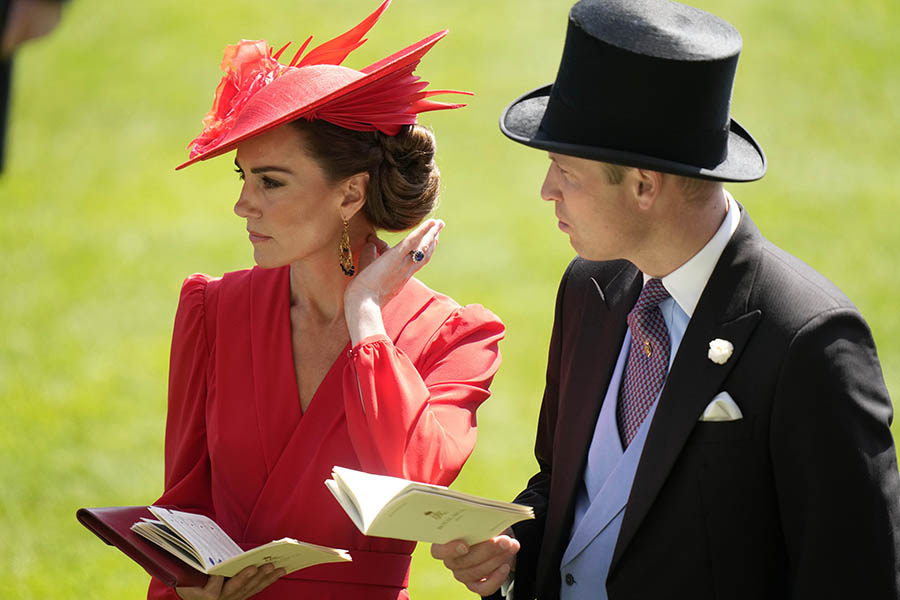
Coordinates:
328	352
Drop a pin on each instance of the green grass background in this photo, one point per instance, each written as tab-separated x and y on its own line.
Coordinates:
97	230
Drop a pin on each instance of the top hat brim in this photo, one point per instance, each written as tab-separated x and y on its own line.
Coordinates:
521	122
284	107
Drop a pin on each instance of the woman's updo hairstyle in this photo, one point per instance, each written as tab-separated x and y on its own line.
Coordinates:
403	178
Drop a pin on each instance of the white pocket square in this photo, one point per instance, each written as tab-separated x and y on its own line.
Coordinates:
722	408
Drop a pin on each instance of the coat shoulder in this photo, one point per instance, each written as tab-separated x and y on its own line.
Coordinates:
788	287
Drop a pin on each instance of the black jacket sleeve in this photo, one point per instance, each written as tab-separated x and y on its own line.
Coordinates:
834	463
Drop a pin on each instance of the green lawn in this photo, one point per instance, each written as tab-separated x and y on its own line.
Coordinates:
98	231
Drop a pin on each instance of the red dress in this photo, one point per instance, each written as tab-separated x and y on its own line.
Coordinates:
239	450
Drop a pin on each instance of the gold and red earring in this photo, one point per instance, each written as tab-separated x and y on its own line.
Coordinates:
345	256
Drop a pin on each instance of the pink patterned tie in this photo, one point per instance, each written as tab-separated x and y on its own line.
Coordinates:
648	360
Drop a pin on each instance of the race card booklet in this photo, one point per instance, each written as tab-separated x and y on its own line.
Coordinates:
397	508
165	541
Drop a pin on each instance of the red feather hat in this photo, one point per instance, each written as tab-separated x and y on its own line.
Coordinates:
258	93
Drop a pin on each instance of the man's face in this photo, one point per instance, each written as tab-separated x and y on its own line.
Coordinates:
600	217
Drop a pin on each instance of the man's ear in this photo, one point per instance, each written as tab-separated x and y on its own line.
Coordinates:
645	186
353	194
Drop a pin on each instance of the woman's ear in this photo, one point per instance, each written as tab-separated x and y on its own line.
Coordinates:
353	191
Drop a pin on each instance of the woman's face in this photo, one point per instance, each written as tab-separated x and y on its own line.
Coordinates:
293	212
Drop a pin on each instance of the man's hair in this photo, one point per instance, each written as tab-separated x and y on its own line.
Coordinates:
615	174
691	187
696	189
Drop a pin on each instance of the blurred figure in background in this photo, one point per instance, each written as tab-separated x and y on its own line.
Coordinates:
20	21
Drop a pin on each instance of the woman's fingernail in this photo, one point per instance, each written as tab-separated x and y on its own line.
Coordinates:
461	549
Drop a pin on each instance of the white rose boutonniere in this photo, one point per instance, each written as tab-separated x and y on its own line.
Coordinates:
720	351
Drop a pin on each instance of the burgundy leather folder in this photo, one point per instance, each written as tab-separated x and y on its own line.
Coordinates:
113	526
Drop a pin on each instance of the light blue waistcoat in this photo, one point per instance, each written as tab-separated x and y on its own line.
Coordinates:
602	497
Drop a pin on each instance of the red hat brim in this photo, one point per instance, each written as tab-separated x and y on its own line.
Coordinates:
304	90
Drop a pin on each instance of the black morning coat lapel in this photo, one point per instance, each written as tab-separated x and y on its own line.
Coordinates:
585	371
694	380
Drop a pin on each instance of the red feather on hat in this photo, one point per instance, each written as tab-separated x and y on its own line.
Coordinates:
386	97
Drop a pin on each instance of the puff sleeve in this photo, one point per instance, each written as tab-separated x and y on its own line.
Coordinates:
415	418
187	466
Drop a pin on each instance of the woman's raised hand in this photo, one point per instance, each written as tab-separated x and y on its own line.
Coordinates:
245	584
382	273
383	270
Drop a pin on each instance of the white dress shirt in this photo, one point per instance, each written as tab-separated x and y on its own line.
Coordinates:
686	283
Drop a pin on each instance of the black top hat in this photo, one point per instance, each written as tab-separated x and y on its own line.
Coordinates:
642	83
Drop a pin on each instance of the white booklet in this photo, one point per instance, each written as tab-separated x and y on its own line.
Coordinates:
407	510
201	543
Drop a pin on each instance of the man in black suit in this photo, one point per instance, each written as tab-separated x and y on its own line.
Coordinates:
715	422
20	21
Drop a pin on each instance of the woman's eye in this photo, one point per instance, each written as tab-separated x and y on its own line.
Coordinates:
270	183
240	174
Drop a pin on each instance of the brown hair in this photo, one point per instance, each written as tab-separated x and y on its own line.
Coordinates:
615	174
694	190
403	178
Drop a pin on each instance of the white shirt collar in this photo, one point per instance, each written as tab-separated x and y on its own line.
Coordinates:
686	283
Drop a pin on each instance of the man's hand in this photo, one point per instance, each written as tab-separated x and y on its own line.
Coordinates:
483	567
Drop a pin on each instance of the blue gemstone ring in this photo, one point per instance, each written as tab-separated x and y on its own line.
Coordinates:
417	255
